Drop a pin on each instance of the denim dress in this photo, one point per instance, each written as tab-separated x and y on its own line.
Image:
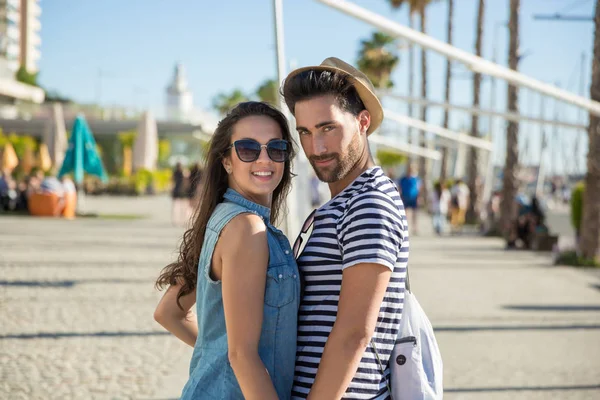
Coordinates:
211	375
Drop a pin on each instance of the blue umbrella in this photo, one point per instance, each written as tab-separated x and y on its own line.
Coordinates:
82	155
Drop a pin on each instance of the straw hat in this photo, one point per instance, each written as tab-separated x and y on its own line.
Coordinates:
361	83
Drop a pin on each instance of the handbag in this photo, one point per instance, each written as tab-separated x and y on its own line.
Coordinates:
416	369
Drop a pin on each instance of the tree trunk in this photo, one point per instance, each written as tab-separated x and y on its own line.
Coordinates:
590	228
472	211
423	170
411	74
443	169
509	181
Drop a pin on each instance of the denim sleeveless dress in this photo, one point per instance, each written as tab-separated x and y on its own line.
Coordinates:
211	375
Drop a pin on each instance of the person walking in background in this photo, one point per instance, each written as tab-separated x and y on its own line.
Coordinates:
410	187
459	204
194	185
440	201
179	196
237	267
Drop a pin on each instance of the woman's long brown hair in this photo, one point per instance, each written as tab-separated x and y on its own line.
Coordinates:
184	271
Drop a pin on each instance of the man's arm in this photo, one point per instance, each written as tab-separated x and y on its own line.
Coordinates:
363	289
370	237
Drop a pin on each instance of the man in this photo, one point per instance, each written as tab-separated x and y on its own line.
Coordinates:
354	263
410	187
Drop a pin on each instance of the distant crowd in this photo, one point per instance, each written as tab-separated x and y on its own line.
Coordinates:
185	192
15	193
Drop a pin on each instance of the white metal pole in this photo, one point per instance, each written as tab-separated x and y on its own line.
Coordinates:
278	15
298	200
288	224
405	147
440	131
476	64
510	116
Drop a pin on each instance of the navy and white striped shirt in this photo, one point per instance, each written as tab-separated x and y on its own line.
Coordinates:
365	223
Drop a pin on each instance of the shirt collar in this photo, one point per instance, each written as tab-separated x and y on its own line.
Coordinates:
235	197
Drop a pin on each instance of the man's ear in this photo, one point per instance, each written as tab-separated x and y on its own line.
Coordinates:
364	121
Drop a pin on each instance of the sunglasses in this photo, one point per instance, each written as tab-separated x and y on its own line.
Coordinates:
248	150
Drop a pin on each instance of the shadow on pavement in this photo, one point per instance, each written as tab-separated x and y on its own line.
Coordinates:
521	388
513	328
60	335
69	283
81	264
553	308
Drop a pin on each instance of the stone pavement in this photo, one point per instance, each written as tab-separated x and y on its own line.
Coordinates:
77	297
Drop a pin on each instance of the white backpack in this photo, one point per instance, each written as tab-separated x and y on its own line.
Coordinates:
416	369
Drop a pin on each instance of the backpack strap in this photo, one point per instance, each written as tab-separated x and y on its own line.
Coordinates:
387	382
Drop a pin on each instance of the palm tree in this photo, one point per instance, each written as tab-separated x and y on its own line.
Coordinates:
267	92
127	139
419	6
590	229
473	159
378	58
509	180
443	171
224	102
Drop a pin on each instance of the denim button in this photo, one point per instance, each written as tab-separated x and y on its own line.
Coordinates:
280	276
294	276
287	252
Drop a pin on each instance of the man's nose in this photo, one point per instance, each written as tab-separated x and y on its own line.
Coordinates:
319	145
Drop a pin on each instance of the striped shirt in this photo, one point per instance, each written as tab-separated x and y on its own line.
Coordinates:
365	223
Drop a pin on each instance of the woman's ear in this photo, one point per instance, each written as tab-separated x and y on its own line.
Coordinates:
227	165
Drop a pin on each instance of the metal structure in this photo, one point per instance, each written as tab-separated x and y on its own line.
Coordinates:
509	116
474	63
405	147
457	137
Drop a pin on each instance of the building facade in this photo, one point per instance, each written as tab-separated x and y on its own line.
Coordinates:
20	34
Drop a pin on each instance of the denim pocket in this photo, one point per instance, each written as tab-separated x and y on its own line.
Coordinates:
281	285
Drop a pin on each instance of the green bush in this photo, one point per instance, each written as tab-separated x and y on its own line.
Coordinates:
389	158
162	180
142	180
164	152
577	206
571	258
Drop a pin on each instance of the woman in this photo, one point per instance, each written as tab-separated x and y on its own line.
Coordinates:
178	194
245	285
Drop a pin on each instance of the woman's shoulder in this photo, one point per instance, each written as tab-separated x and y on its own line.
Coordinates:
234	215
245	229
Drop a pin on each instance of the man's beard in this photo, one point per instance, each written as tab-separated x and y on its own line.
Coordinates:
342	164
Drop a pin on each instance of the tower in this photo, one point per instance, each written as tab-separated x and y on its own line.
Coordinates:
179	97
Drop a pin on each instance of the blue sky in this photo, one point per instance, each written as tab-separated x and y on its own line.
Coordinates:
134	45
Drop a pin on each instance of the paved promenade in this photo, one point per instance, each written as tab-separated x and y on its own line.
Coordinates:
77	297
